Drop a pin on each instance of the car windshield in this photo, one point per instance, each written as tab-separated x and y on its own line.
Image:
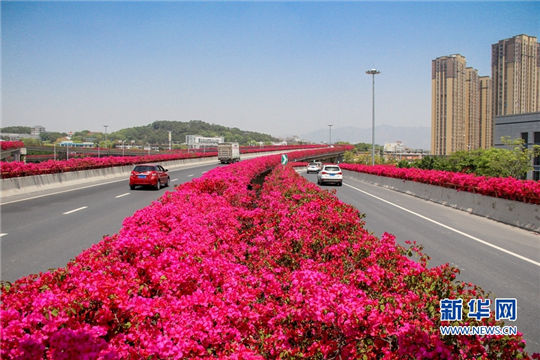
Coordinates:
144	168
331	168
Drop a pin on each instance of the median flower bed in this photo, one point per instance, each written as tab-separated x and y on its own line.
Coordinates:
507	188
224	267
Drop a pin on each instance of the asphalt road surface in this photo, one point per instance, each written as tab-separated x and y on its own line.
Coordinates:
501	259
48	231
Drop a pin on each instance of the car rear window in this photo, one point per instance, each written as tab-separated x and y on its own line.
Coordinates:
331	168
144	168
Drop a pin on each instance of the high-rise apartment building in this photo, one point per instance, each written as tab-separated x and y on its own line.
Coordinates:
472	109
448	77
486	118
515	70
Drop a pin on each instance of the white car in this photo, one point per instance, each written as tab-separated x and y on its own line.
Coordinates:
330	174
314	167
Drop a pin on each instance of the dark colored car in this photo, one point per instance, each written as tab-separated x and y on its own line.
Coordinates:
149	175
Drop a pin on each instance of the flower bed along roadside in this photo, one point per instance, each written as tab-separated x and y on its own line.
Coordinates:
18	169
508	188
224	268
6	145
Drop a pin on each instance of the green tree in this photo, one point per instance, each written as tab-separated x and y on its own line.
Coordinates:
514	161
51	136
31	142
17	129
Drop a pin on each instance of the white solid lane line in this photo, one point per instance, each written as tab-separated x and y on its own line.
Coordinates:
449	228
119	196
2	235
75	210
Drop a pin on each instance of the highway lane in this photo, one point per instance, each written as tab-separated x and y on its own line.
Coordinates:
47	232
511	274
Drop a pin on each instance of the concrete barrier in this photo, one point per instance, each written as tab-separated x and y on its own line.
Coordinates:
516	213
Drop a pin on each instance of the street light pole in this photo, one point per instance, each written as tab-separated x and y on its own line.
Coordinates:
373	72
330	135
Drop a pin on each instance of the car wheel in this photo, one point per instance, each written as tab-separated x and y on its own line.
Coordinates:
168	181
158	185
340	183
132	187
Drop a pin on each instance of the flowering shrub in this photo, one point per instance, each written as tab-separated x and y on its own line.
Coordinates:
17	169
225	268
507	188
5	145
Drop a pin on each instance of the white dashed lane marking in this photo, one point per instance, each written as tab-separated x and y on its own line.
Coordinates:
75	210
119	196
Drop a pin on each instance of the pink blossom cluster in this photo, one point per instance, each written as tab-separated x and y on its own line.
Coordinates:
507	188
17	168
5	145
233	267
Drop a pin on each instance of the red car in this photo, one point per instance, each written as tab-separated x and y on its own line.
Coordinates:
149	175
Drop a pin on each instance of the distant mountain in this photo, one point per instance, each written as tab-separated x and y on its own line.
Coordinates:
158	132
417	137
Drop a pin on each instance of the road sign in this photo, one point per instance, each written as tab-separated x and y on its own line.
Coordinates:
284	159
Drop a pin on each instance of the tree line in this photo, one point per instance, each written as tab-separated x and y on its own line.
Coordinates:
156	133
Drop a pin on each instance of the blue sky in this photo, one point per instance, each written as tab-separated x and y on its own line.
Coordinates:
282	68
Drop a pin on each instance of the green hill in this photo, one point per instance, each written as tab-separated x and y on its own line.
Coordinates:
158	133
